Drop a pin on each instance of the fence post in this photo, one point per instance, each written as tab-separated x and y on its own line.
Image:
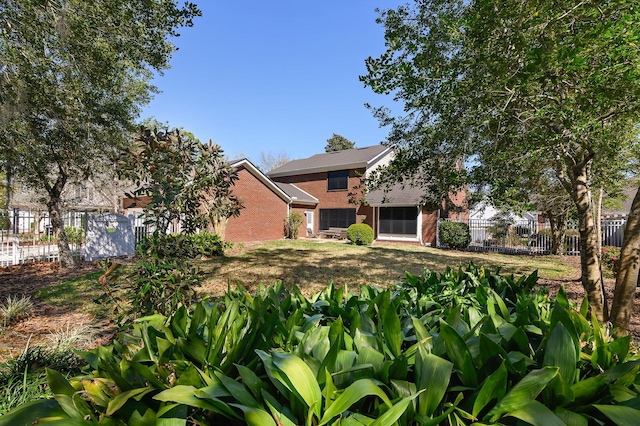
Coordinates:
16	249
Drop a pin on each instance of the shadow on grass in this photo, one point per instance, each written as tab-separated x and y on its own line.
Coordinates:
311	266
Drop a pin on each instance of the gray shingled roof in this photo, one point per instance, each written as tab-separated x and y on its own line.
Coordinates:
297	195
397	195
337	160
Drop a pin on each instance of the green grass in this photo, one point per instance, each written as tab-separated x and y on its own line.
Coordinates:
76	294
312	265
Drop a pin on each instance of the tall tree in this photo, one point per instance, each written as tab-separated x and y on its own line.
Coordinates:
185	179
73	78
338	143
517	87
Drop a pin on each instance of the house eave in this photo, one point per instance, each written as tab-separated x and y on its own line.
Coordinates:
262	178
308	171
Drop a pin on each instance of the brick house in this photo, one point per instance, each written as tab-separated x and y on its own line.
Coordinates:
332	178
321	188
266	205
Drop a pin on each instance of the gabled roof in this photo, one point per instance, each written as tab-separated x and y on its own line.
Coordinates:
288	192
298	196
337	160
261	177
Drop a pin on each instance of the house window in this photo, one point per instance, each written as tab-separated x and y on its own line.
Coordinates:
337	218
398	220
338	180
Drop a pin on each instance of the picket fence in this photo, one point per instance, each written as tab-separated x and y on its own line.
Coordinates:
532	237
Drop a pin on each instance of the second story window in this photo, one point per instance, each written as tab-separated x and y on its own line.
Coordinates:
338	180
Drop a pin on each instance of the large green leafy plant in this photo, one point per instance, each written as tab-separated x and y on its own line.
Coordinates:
464	347
163	279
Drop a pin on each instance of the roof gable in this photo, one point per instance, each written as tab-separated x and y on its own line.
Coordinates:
261	177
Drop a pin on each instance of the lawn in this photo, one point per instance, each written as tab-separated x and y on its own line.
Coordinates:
313	264
63	299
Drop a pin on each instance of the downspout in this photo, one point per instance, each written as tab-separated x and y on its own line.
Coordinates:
438	229
420	240
376	223
286	219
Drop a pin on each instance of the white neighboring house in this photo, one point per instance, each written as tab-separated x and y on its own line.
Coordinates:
28	206
485	211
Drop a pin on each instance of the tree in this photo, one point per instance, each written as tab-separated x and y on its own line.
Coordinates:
185	179
338	143
515	87
73	78
269	160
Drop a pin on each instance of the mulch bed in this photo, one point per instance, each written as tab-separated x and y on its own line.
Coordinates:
25	280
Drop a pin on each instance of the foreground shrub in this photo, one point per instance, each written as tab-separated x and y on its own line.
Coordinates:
360	234
164	279
464	347
23	378
454	235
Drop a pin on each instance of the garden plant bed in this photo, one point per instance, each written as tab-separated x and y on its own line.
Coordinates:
311	266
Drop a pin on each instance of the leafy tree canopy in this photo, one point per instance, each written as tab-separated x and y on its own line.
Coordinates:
73	78
515	88
185	179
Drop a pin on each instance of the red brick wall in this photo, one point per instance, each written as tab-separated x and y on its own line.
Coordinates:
316	185
263	215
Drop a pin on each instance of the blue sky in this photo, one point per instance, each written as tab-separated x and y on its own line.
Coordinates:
274	77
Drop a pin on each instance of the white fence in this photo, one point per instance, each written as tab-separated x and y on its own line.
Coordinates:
27	236
531	237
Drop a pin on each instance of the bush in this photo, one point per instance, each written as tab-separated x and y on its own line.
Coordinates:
360	234
164	279
483	347
74	235
292	225
207	245
610	259
15	309
454	235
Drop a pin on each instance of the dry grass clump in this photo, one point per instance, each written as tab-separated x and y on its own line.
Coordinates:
15	309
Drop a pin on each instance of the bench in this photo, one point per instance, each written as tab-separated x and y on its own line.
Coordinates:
340	233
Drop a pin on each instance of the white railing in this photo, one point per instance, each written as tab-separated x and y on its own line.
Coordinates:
532	237
27	236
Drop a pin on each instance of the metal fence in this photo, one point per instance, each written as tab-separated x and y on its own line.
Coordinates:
27	236
531	237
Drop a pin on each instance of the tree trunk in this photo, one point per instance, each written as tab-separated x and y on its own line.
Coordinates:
558	232
627	278
55	215
218	226
599	222
64	252
589	258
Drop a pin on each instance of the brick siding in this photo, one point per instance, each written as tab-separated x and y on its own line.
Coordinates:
263	215
316	185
